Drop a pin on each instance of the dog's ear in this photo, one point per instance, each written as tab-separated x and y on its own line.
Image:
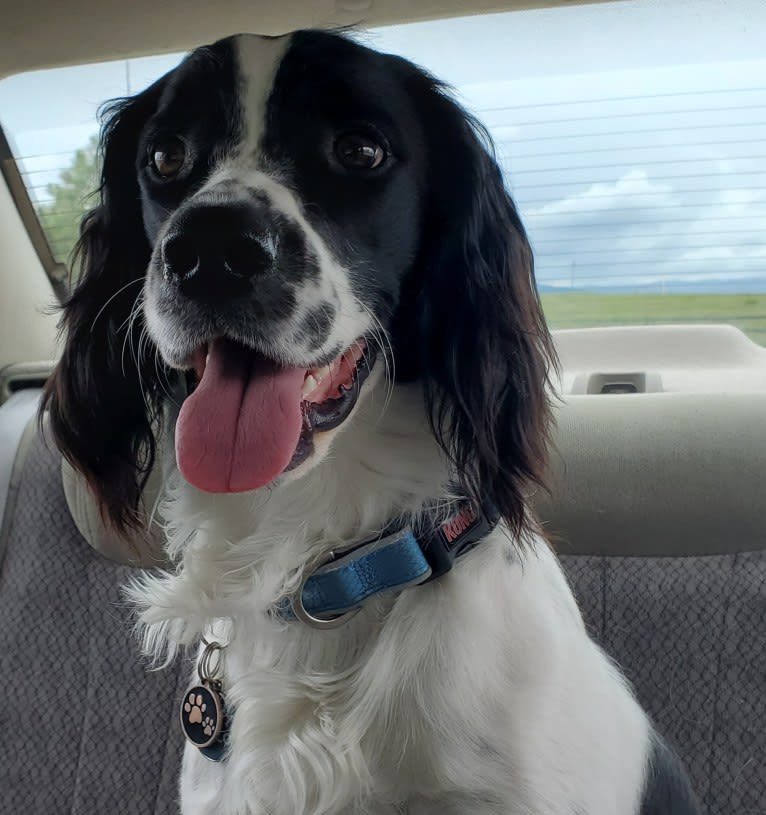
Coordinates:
102	397
483	346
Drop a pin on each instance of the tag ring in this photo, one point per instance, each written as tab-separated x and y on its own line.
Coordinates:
211	662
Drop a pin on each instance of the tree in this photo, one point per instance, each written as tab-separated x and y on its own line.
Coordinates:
71	197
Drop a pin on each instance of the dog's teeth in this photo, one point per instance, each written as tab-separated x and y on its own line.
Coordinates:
321	373
310	384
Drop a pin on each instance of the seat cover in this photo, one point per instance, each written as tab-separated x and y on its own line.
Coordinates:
86	728
16	415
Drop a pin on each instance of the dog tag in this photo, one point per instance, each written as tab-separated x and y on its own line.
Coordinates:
203	713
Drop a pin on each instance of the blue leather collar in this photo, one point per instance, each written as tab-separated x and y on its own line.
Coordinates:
336	588
338	585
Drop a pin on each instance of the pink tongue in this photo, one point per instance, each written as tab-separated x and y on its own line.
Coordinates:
239	429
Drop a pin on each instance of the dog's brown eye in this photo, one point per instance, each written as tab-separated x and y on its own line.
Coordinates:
358	151
168	157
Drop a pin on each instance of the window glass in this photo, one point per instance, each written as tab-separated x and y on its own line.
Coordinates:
50	120
632	135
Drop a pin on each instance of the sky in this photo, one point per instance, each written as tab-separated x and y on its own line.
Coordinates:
632	134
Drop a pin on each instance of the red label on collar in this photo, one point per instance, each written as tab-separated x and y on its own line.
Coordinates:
459	525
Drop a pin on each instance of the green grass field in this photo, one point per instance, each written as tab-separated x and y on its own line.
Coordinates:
582	310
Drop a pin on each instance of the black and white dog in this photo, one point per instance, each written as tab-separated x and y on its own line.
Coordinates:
311	243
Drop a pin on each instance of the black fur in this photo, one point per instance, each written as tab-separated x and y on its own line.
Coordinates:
434	243
667	791
484	348
105	391
105	396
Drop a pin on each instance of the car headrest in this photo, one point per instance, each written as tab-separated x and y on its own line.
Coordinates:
657	474
141	549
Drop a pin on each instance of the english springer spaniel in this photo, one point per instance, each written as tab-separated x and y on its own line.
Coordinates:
308	295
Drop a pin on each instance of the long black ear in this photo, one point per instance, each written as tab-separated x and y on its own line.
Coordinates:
484	348
102	397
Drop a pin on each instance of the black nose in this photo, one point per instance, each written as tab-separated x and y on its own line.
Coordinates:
216	253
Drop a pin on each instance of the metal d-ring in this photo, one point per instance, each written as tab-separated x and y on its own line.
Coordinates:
207	669
299	610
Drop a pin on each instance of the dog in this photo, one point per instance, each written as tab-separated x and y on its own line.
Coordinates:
307	295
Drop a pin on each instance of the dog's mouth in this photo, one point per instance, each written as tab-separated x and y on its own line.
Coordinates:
248	419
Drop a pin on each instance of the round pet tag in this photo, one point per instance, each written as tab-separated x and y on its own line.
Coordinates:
202	715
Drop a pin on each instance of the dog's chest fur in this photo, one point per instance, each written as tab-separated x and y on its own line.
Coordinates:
461	700
433	711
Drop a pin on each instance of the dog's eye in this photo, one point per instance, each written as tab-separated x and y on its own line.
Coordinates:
168	157
358	151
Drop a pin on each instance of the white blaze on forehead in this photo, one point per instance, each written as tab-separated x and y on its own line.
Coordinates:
235	178
258	60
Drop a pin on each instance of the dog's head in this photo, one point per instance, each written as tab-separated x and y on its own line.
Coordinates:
282	219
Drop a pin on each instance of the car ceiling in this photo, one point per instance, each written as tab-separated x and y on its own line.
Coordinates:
38	34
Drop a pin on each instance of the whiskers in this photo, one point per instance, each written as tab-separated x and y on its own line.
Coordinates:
379	336
116	294
142	351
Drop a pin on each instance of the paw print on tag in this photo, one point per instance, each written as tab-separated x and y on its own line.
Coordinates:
202	715
195	707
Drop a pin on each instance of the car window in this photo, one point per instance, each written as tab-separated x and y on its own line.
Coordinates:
632	135
50	120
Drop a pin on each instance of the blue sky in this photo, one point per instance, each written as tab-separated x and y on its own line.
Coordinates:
633	134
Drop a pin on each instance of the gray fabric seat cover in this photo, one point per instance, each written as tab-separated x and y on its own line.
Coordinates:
690	634
85	729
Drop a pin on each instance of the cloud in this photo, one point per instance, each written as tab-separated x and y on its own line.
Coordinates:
632	190
636	230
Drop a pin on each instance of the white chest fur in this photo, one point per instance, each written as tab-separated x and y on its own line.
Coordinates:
479	692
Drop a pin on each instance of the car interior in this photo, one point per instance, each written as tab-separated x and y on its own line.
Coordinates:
655	501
